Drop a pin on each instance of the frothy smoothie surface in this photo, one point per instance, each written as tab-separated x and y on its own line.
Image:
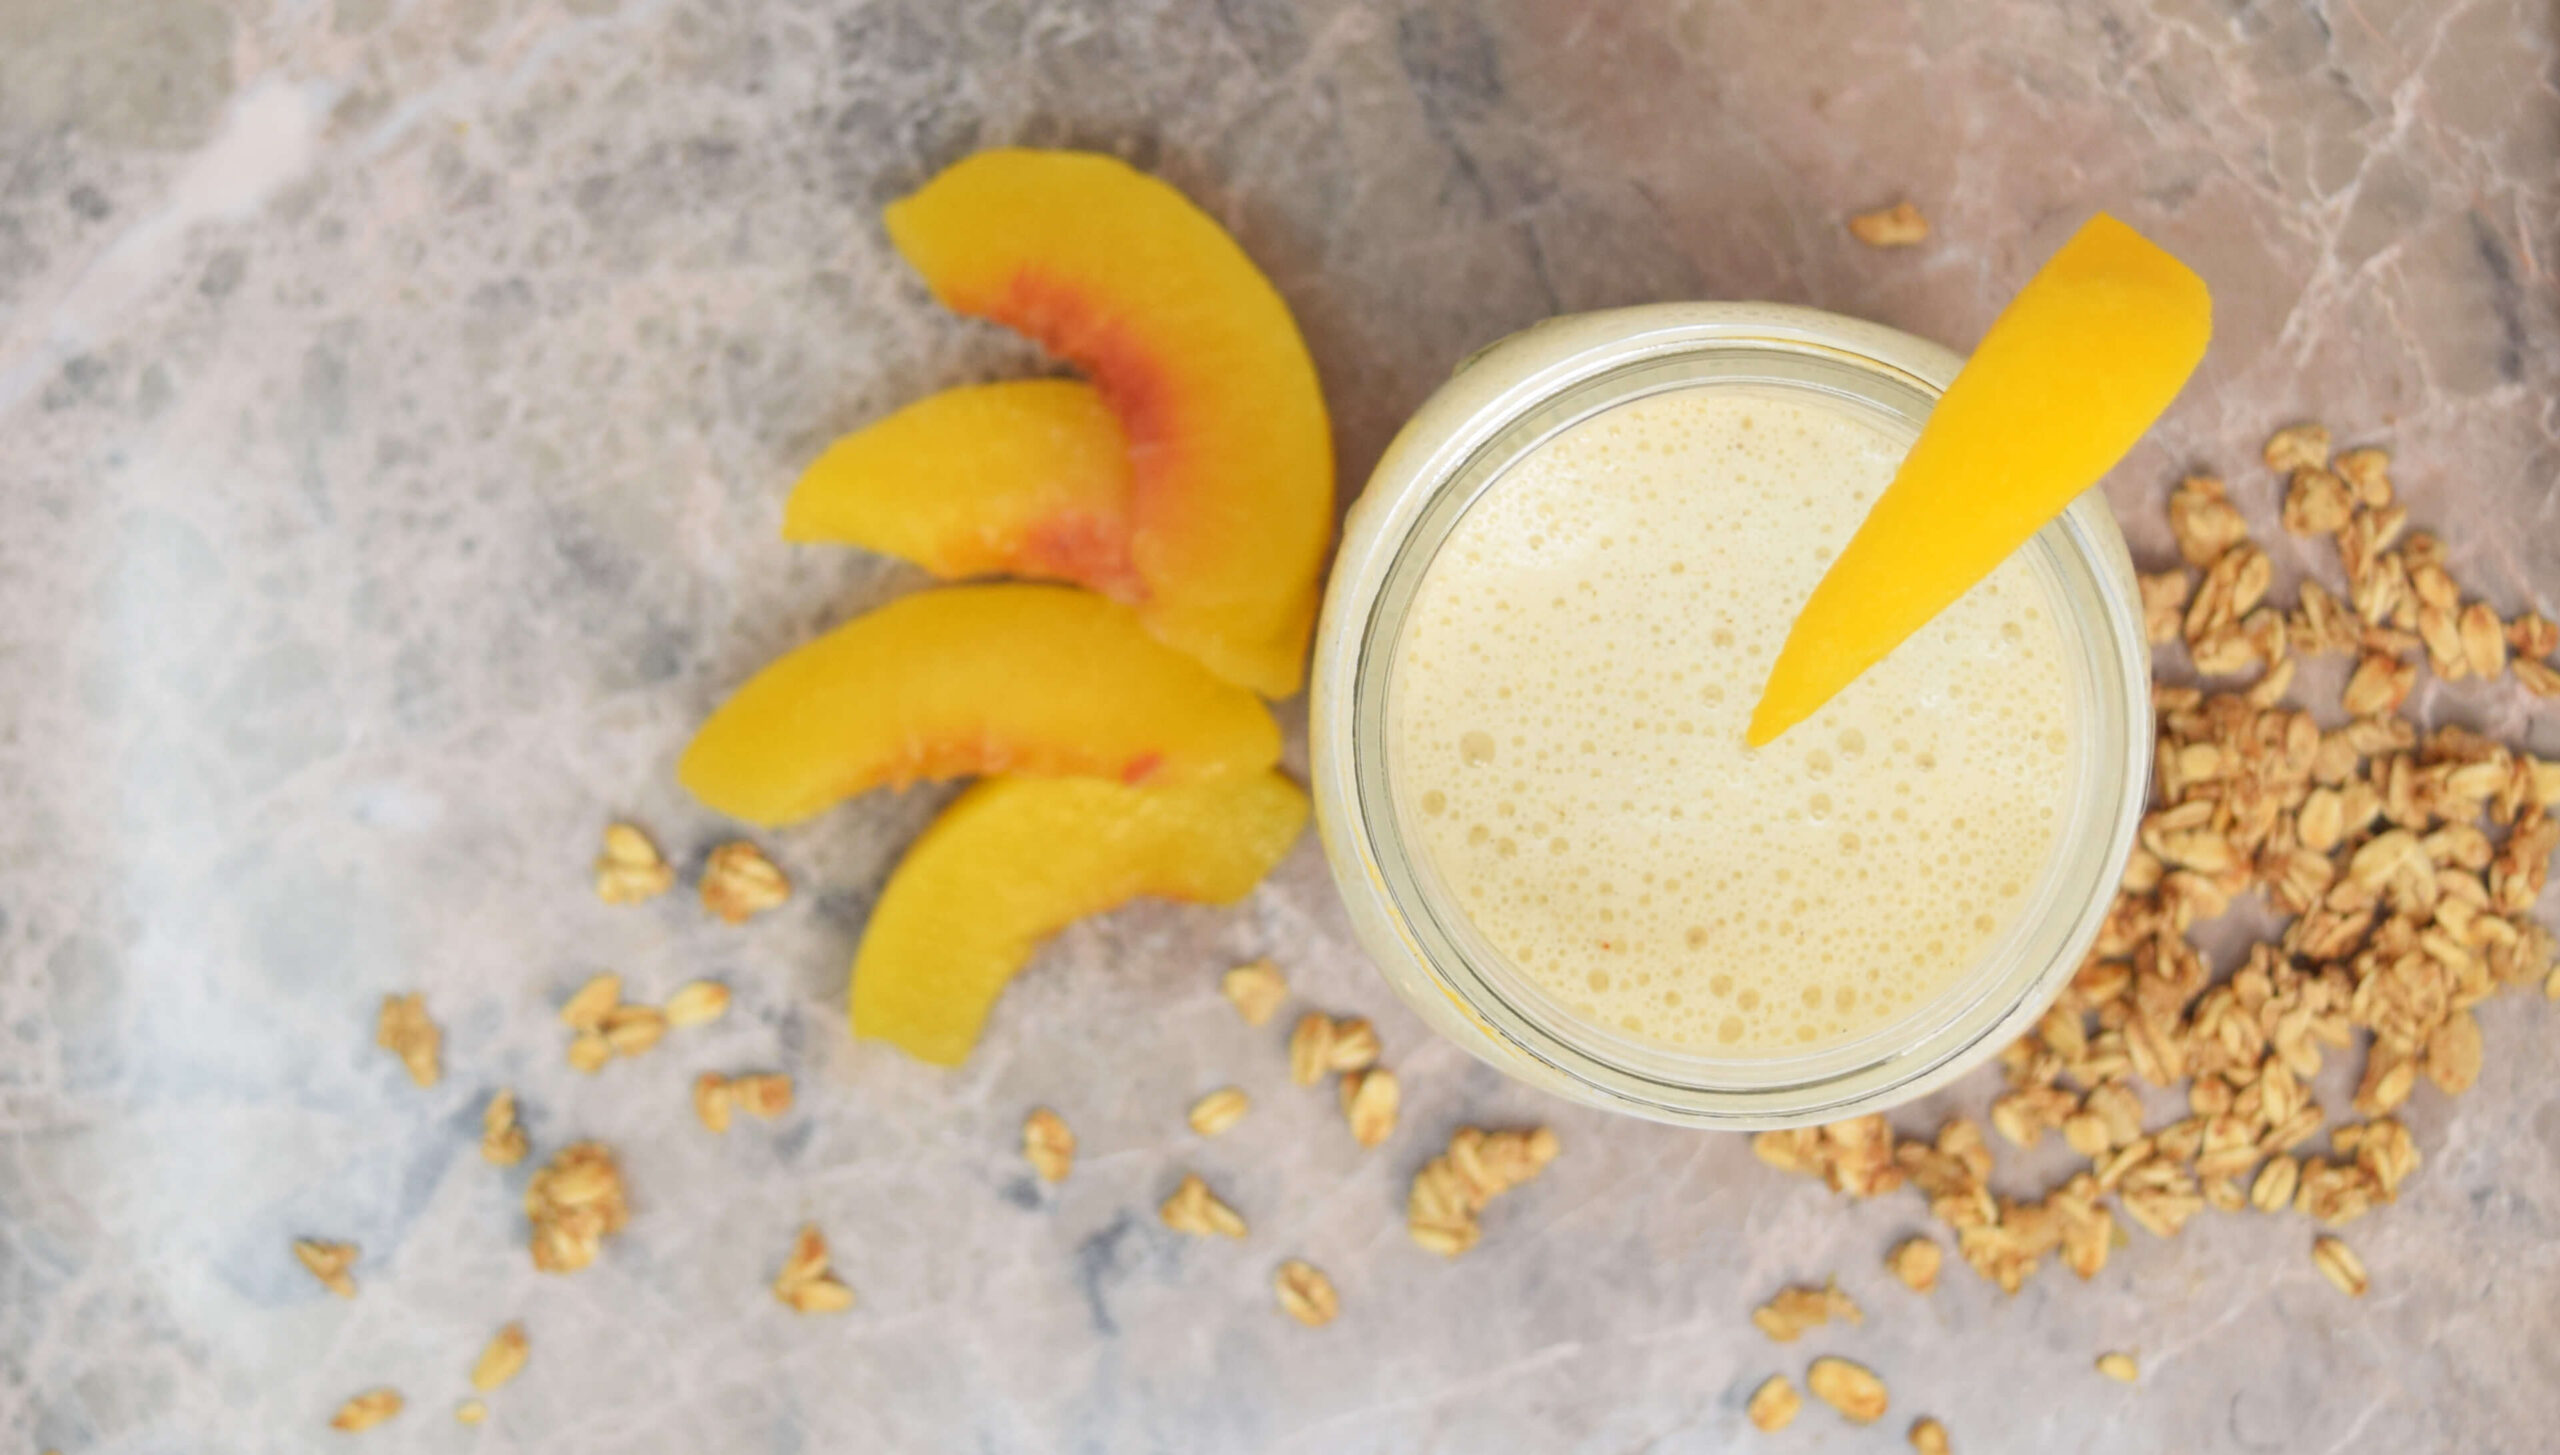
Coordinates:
1566	725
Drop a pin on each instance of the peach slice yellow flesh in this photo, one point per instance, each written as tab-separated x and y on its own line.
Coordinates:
1024	478
2072	372
972	679
1230	451
1014	860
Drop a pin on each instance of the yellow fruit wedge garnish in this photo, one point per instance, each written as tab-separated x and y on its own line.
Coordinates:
1230	449
1014	860
1002	678
2072	372
1025	478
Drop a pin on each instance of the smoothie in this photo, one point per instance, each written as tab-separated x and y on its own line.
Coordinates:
1566	718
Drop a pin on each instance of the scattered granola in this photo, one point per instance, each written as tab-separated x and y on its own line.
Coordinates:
1794	1310
697	1003
1256	990
828	1295
586	1010
589	1051
2119	1367
366	1410
805	1283
1306	1294
1370	1100
1048	1145
1852	1389
1450	1192
712	1101
739	883
329	1263
1773	1405
404	1030
1311	1048
763	1094
1916	1262
1319	1043
575	1203
1929	1437
1218	1111
1354	1046
633	1029
1194	1209
630	869
2339	1264
502	1141
503	1360
1898	226
608	1026
1322	1043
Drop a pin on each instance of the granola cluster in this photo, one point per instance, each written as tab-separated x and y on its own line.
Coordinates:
1452	1189
503	1142
807	1283
1305	1294
575	1203
1048	1145
1195	1210
329	1262
404	1029
629	869
1898	226
1786	1316
766	1095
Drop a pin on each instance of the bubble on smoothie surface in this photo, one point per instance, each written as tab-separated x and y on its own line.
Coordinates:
1824	885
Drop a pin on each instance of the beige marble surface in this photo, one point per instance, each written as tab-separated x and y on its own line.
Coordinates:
396	400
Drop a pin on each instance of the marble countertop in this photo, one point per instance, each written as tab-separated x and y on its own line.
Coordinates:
396	402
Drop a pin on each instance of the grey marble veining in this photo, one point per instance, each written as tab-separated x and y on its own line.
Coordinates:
396	402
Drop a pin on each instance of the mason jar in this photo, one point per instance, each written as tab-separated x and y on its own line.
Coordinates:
1501	405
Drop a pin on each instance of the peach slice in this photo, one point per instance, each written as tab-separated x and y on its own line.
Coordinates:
1024	478
1230	451
972	679
2070	376
1014	860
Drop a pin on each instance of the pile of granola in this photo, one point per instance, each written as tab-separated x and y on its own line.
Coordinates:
2407	862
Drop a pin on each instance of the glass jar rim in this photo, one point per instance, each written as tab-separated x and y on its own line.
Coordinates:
1504	402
